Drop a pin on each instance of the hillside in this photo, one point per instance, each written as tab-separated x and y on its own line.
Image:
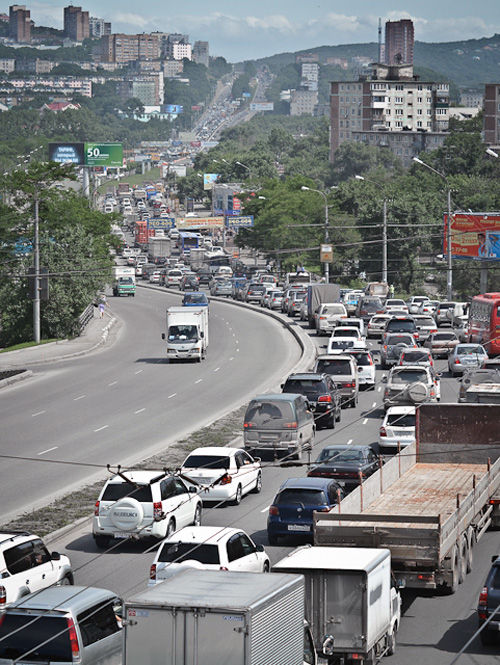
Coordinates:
468	64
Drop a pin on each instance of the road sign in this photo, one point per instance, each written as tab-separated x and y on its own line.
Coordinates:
104	154
326	253
244	221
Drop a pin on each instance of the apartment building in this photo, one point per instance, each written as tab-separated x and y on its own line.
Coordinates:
303	102
391	99
148	88
122	48
491	117
172	67
309	75
201	53
98	27
399	42
64	85
20	24
76	23
7	65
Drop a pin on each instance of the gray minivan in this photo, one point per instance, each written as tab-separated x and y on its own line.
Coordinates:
63	625
279	423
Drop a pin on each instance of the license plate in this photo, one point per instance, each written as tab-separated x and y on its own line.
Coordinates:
122	534
298	527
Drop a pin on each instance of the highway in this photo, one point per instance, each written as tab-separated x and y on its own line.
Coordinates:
434	627
126	402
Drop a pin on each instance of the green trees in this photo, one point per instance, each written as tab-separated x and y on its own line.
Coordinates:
74	246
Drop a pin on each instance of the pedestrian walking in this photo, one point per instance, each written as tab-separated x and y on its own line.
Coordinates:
391	291
101	307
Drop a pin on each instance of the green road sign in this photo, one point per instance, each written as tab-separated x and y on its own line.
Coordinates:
103	154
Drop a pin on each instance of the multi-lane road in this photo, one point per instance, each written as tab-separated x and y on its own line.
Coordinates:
124	401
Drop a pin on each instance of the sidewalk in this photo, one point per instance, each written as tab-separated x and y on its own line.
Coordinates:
95	334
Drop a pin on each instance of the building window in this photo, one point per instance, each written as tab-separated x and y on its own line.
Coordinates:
388	111
341	123
399	111
398	87
398	123
429	100
419	111
420	100
429	124
398	100
419	123
419	87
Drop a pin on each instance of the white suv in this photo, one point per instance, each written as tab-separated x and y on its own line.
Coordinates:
144	504
26	566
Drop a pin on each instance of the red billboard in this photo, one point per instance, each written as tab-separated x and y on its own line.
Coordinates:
474	235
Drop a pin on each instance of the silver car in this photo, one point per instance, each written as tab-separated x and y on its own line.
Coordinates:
466	356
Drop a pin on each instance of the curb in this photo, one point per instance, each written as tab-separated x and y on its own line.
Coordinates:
64	530
25	374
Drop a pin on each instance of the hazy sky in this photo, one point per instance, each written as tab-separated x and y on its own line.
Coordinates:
239	30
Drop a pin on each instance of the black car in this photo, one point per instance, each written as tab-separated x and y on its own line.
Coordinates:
189	283
204	276
489	601
321	393
345	463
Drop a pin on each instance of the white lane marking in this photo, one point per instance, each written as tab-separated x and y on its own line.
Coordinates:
113	383
265	509
234	334
172	395
139	371
38	413
198	380
216	369
365	421
140	410
231	358
349	442
237	350
101	428
374	405
379	389
48	450
75	399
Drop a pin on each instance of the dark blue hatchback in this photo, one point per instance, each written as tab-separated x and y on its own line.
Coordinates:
291	513
195	299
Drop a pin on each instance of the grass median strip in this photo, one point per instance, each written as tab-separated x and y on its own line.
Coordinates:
80	503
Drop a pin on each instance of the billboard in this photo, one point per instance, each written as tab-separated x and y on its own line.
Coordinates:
474	235
244	221
104	154
173	108
262	106
178	169
209	179
186	223
161	223
67	153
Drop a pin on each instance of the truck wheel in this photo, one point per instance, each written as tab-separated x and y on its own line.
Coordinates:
371	657
471	541
391	643
454	564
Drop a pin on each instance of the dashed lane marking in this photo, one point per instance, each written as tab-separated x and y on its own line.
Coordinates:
198	380
365	421
49	450
265	509
139	371
216	369
349	442
75	399
113	383
172	395
374	405
38	413
140	410
99	429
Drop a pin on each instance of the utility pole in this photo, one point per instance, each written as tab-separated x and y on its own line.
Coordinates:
327	238
36	258
384	245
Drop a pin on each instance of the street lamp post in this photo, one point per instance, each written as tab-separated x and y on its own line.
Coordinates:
245	167
326	236
384	231
449	277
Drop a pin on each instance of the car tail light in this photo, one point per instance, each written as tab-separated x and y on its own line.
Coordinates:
433	392
370	360
433	330
152	571
457	361
3	596
73	639
157	511
248	425
494	502
325	398
223	568
96	509
357	656
274	510
292	425
322	318
483	603
385	347
425	578
348	385
383	431
226	479
415	335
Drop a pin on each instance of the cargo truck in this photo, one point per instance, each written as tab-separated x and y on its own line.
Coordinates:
317	294
209	617
352	606
196	258
159	248
124	281
431	503
187	333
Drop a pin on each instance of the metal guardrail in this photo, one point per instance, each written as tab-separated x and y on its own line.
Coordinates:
85	316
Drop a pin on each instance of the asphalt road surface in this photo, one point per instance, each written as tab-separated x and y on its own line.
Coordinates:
126	402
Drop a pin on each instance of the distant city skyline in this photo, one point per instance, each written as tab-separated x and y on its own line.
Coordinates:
239	31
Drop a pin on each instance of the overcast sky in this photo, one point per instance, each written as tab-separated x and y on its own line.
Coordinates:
249	29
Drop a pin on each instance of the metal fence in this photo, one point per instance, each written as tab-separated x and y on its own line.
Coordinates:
85	316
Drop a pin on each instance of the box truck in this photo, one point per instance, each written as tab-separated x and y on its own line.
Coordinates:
124	281
187	333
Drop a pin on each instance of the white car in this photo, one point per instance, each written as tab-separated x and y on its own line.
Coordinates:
27	566
108	208
366	367
208	548
328	316
173	277
225	474
395	303
398	428
344	338
144	504
415	302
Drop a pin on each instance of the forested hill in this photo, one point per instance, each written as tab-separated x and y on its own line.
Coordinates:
469	63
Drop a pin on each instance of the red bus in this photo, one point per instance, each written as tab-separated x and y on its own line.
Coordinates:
484	322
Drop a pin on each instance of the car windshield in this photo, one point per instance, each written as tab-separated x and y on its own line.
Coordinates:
401	419
466	350
269	415
345	332
197	297
482	377
304	386
407	376
333	309
401	326
117	491
427	321
363	359
182	333
328	453
336	344
340	366
371	305
348	455
179	552
400	339
308	497
439	337
207	462
42	639
414	357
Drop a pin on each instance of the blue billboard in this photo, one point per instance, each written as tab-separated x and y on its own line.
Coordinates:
173	108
